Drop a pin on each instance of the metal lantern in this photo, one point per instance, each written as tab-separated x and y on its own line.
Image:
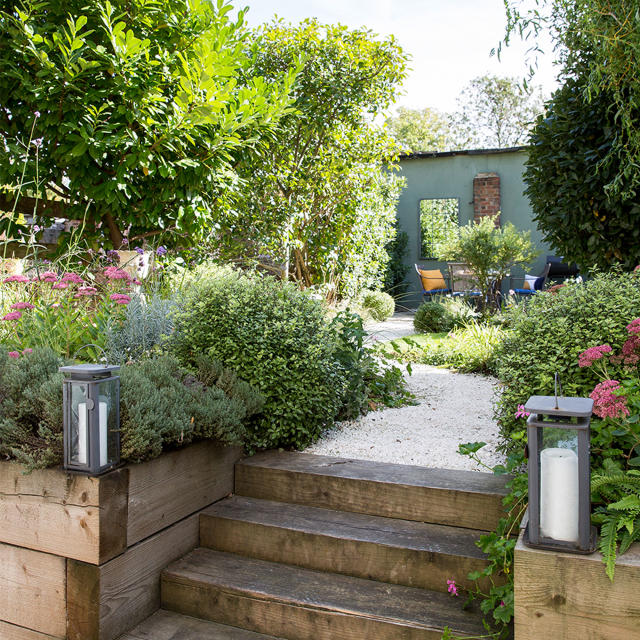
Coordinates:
91	404
559	474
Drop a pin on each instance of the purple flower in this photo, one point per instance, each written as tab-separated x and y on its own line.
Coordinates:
17	278
139	251
590	355
14	315
452	587
521	413
14	354
125	241
161	250
606	402
22	305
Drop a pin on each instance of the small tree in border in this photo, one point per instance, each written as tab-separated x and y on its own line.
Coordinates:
490	253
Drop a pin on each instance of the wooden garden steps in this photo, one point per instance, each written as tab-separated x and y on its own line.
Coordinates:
440	496
319	548
396	551
167	625
302	604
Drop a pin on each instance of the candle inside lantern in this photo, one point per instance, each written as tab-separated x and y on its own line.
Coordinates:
82	433
559	494
102	414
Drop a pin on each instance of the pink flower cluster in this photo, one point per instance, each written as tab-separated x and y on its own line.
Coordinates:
72	277
85	291
633	327
16	354
521	413
113	273
120	298
14	315
47	276
607	403
17	278
22	305
452	587
588	357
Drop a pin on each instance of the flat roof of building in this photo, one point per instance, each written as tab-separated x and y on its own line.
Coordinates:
461	152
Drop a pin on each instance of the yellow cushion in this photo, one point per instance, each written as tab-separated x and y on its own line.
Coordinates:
432	279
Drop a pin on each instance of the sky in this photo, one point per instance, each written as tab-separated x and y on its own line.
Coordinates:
449	40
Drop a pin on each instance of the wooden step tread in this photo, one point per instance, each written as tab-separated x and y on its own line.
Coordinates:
301	603
168	625
458	498
387	549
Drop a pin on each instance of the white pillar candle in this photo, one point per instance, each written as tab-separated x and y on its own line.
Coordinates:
559	494
102	415
82	433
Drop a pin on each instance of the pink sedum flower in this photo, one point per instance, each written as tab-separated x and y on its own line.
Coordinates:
592	354
113	273
14	315
452	587
72	277
17	278
60	285
14	354
634	327
120	298
607	403
85	291
22	305
47	276
27	351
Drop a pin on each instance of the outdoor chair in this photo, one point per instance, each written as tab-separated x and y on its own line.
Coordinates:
461	278
432	282
530	284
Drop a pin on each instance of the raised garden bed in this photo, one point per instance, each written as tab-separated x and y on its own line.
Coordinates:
80	557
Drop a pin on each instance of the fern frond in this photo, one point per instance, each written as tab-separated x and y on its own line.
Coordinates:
628	538
609	544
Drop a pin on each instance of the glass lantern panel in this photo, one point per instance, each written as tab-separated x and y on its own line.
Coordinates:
108	427
79	427
559	484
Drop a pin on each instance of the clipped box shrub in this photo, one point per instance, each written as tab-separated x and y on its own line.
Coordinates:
377	304
276	338
548	333
432	317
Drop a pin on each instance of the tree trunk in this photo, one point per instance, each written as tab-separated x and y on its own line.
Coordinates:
115	235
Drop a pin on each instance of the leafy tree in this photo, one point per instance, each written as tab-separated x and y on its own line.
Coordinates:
129	113
599	41
567	176
494	112
489	251
419	129
305	197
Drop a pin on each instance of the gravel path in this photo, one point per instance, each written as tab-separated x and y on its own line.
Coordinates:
453	408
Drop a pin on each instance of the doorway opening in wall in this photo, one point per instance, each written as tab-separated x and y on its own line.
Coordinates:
439	221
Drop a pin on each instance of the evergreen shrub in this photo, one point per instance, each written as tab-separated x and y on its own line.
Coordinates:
276	338
162	406
377	304
548	333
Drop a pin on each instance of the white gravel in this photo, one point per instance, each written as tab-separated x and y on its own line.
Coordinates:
453	408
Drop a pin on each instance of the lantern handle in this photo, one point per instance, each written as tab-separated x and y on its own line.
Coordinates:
557	386
97	346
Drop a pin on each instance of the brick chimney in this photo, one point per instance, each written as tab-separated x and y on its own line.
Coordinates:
486	196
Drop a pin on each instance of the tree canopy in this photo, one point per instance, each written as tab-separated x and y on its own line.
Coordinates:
318	193
599	42
494	112
419	129
129	114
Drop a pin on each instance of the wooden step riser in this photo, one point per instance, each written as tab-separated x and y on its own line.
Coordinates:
422	504
396	565
290	621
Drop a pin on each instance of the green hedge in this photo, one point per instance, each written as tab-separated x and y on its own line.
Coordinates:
548	333
277	339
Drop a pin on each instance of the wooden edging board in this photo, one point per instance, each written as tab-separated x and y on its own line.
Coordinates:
569	596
